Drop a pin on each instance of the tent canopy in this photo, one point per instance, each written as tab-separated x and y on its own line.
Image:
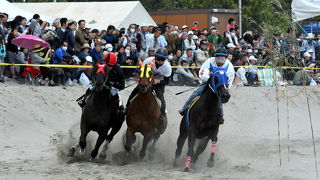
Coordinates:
305	9
12	10
312	28
96	14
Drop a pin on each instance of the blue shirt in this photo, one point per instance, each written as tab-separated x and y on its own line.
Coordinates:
58	56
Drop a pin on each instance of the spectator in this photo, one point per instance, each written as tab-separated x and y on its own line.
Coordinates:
150	53
69	36
60	32
130	60
141	40
189	57
231	32
2	47
240	78
85	51
132	37
152	40
110	37
252	71
301	78
185	28
96	53
60	53
177	57
14	55
189	43
185	77
202	54
180	42
35	26
242	60
80	37
171	37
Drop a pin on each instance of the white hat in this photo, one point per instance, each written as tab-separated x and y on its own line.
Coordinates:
310	36
89	59
306	54
252	58
231	45
184	26
190	32
144	25
195	37
249	51
109	47
310	51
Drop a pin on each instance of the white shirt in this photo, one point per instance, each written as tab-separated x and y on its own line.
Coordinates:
161	72
204	72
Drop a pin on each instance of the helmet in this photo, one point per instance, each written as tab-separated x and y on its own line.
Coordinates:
161	54
110	58
221	51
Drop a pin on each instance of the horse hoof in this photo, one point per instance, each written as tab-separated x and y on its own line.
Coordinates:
210	164
71	152
186	169
150	157
102	156
174	164
93	154
142	155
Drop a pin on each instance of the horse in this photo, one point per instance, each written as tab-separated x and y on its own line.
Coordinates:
99	114
144	112
201	121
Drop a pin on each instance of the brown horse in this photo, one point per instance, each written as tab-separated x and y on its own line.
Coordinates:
143	112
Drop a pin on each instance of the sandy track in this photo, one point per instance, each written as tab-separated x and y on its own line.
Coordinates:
39	124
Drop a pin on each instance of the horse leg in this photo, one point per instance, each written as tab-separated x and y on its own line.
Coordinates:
201	147
130	139
83	136
101	138
214	140
191	141
180	142
73	150
146	139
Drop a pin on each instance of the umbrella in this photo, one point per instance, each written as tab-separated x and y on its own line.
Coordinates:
28	41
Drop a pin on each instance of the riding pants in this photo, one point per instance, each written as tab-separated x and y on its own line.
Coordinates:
199	92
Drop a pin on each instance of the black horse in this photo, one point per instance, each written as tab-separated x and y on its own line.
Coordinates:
202	119
99	114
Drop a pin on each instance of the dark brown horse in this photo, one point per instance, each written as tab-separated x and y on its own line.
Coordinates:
99	114
202	120
143	112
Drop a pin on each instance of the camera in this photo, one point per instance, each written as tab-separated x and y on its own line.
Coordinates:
195	23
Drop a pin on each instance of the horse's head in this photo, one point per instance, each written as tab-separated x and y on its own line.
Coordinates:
145	77
100	73
219	82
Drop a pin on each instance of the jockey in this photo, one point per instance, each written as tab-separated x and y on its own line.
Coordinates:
220	60
162	71
115	79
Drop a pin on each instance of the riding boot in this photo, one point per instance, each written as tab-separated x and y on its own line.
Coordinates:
221	120
116	101
82	101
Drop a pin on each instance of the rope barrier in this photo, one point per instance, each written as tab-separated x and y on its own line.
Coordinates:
196	67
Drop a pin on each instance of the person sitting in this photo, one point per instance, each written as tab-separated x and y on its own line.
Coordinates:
85	51
60	53
202	54
115	80
96	53
185	77
252	71
240	78
220	60
188	56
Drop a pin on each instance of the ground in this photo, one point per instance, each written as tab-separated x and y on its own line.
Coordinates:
39	124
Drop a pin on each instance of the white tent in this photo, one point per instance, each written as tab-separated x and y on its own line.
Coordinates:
97	14
12	10
305	9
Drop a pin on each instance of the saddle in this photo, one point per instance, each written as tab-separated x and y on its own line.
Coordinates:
157	99
194	100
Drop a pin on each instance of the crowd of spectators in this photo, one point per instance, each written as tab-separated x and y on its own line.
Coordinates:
72	42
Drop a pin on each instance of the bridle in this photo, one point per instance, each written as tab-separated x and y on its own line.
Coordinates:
146	72
101	69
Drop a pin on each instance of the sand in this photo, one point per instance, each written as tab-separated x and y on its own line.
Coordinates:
39	124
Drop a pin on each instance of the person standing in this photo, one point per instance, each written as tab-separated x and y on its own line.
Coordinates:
80	37
35	26
69	36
